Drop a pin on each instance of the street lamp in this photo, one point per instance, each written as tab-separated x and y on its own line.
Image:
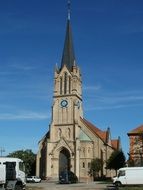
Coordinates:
1	151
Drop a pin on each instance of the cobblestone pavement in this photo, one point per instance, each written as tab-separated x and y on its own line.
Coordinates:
77	186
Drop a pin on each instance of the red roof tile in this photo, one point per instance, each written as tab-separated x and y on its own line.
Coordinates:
136	130
95	130
103	135
115	143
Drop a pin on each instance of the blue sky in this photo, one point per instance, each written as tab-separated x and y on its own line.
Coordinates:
108	43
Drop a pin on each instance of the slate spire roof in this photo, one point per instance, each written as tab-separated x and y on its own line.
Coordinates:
68	57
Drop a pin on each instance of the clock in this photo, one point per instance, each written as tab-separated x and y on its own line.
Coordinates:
64	103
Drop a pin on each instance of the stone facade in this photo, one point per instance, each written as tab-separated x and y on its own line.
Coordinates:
72	142
136	146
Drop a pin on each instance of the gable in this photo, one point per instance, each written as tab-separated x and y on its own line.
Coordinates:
96	131
83	136
63	71
104	136
62	143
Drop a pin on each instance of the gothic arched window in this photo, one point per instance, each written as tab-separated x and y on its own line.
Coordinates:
69	85
83	164
61	86
65	83
83	150
89	164
69	133
89	150
59	132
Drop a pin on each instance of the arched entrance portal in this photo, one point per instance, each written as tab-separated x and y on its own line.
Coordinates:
64	160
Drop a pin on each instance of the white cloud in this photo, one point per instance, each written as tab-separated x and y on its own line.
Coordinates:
25	116
23	67
91	88
114	100
117	106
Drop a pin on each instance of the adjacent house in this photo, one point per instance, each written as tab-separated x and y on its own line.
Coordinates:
136	146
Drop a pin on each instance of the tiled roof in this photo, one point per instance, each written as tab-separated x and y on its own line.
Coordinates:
115	143
95	130
46	136
137	130
103	135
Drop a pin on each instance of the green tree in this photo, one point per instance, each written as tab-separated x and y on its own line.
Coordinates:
116	160
96	167
29	159
131	162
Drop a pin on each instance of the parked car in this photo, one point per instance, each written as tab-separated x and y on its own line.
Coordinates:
33	179
67	177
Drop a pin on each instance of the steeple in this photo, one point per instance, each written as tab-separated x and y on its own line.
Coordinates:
68	57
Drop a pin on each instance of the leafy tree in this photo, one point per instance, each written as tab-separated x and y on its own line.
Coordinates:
116	160
29	159
131	162
96	166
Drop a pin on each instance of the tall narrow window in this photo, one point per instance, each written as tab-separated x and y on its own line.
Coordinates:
89	150
65	83
69	85
59	133
83	164
69	133
83	151
89	164
61	86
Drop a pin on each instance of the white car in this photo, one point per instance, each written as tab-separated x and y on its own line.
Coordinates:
33	179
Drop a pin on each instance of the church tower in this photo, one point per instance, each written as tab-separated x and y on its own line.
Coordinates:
67	100
67	103
61	152
72	142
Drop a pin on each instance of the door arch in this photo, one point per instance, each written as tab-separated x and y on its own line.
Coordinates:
64	160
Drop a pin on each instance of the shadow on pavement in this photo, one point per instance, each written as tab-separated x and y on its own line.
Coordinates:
112	187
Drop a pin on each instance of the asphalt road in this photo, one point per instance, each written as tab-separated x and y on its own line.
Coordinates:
77	186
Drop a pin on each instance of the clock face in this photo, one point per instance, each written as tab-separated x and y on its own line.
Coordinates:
64	103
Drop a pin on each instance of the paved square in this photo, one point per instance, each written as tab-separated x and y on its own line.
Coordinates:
77	186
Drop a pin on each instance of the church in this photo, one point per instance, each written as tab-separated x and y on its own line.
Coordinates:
71	142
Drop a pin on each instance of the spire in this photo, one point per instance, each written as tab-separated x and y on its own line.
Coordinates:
68	56
69	9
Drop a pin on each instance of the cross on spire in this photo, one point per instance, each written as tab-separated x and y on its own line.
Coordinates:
69	9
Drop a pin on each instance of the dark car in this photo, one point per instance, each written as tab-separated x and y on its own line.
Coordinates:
67	177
